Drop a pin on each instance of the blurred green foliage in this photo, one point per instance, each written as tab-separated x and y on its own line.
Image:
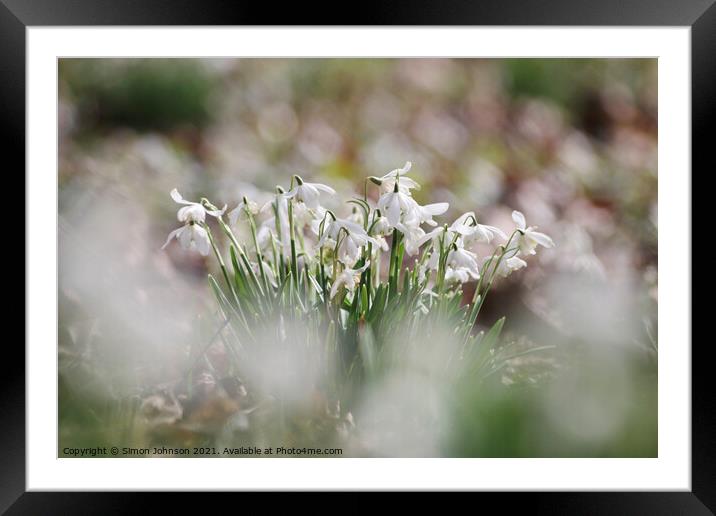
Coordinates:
156	94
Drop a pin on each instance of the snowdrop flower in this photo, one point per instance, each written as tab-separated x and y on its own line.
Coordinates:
304	216
352	240
280	203
458	275
413	238
333	227
506	266
308	193
424	214
435	235
349	250
395	203
381	226
462	261
484	233
356	216
467	227
265	234
461	264
192	235
193	211
349	278
382	244
241	209
528	238
405	184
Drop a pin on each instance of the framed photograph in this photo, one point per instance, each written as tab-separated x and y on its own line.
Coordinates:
436	249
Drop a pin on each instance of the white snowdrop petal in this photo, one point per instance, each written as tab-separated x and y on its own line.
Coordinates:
393	210
201	240
515	263
519	219
176	196
185	237
541	239
324	188
172	236
217	213
234	214
192	212
496	231
437	208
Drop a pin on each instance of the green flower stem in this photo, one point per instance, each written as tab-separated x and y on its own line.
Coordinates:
478	297
242	254
252	226
294	260
222	266
392	279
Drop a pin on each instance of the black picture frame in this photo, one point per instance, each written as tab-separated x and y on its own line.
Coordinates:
17	15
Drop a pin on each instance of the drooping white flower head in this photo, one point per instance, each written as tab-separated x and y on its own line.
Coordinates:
357	216
396	204
461	265
463	261
424	214
349	249
278	225
507	265
381	226
352	238
405	184
471	231
193	211
382	245
435	235
192	235
527	237
484	233
266	234
333	227
308	193
348	278
304	216
413	238
240	210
